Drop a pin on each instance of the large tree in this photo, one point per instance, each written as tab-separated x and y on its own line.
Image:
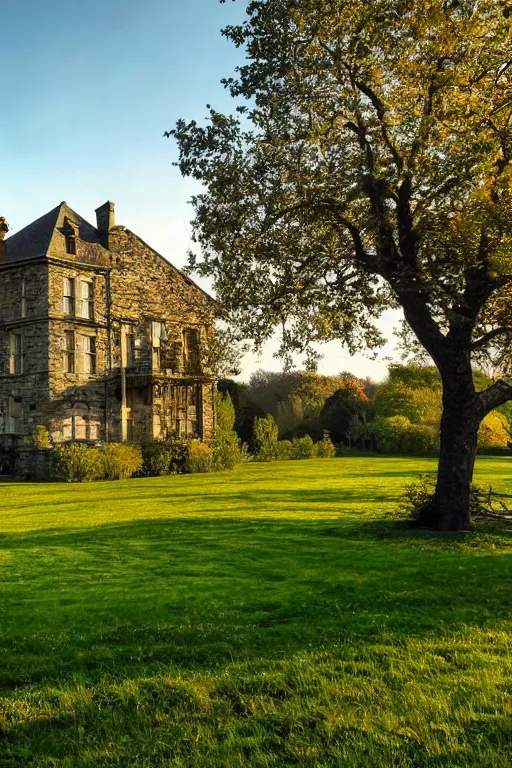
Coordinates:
368	165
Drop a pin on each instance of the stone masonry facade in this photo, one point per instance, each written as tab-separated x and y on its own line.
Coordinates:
101	338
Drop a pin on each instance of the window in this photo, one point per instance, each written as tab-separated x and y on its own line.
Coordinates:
186	401
191	350
15	352
79	427
67	428
86	301
71	244
16	415
69	352
132	346
69	296
23	299
88	350
159	335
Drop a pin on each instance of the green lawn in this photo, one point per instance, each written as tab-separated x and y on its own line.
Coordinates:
277	616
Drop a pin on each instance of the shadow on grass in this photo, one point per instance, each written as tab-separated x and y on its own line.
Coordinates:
188	593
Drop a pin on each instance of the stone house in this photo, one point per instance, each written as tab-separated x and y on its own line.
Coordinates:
100	336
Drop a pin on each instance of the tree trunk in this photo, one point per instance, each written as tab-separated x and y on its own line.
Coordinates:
449	509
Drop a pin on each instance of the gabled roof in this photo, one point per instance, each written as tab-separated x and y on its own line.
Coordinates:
44	237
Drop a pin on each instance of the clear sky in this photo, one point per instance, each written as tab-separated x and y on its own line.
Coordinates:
88	88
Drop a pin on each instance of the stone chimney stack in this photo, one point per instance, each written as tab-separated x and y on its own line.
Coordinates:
4	228
105	220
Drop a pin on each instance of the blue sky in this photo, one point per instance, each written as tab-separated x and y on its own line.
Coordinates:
89	87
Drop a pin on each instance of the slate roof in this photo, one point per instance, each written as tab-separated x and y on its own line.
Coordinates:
44	236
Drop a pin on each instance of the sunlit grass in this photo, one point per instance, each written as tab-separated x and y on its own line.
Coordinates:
277	616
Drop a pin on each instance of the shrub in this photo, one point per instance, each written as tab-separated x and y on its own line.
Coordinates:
302	447
396	434
325	448
119	461
167	457
265	439
76	463
199	458
226	444
79	463
284	450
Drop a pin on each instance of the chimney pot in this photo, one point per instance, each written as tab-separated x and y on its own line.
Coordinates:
105	218
4	228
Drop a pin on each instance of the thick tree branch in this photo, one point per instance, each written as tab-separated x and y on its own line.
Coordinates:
499	393
488	337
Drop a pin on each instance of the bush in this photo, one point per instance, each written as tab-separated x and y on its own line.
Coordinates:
396	434
167	457
284	450
302	447
118	461
325	448
200	458
79	463
226	452
265	439
76	463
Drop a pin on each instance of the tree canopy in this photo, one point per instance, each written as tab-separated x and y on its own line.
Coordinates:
368	165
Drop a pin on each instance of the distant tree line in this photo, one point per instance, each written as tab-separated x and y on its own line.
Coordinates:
400	415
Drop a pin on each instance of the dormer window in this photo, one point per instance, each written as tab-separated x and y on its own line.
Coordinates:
70	231
71	244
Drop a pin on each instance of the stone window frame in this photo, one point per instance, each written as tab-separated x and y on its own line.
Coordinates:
69	295
158	335
85	301
87	348
73	425
16	353
69	352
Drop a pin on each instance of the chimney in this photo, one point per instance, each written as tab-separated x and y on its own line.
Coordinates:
105	220
4	228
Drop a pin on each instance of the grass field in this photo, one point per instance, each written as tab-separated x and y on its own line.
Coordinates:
277	616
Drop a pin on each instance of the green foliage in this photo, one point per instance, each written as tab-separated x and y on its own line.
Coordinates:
343	412
397	434
494	431
226	443
119	461
41	437
246	410
265	438
297	399
78	463
302	447
167	457
200	458
325	448
284	450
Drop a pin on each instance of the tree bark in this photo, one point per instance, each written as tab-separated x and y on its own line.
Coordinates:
463	411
